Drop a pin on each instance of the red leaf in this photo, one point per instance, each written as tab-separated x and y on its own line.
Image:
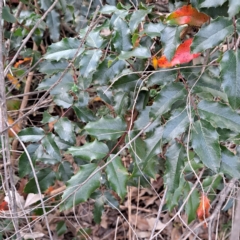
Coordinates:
187	15
203	208
182	55
3	206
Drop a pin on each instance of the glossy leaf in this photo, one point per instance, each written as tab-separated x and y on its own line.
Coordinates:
230	163
53	23
167	96
176	125
32	134
65	171
117	176
174	164
89	62
90	151
137	17
98	209
170	37
77	192
46	178
162	77
121	105
65	49
205	142
84	113
140	52
65	130
106	128
230	74
187	15
7	16
122	37
234	8
154	29
61	228
51	67
51	147
219	115
212	3
212	35
182	55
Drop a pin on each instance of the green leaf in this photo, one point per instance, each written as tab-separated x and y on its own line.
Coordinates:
230	163
65	130
230	73
106	128
170	37
212	35
64	100
205	142
154	29
83	113
7	16
121	105
90	151
65	49
46	178
162	77
127	82
53	23
98	209
51	147
219	115
137	17
117	176
176	125
212	3
32	134
234	8
94	39
61	228
140	52
174	164
65	171
89	62
167	96
51	67
105	73
122	36
192	203
76	192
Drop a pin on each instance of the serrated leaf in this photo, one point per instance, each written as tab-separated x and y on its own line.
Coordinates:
230	163
170	37
205	142
51	147
234	8
122	37
219	115
230	74
212	35
53	23
32	134
176	125
137	17
117	176
65	49
51	67
65	171
94	39
212	3
65	130
127	82
105	73
192	203
140	52
46	178
90	151
154	29
76	192
162	77
6	15
121	105
89	62
84	113
167	96
174	164
187	15
106	128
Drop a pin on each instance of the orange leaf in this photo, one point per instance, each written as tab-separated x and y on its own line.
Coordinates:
15	127
3	206
203	208
25	60
14	81
187	15
182	55
155	62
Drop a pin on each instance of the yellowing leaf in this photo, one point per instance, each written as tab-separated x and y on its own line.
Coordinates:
25	60
14	81
155	62
15	127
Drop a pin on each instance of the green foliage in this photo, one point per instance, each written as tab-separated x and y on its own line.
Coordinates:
110	93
